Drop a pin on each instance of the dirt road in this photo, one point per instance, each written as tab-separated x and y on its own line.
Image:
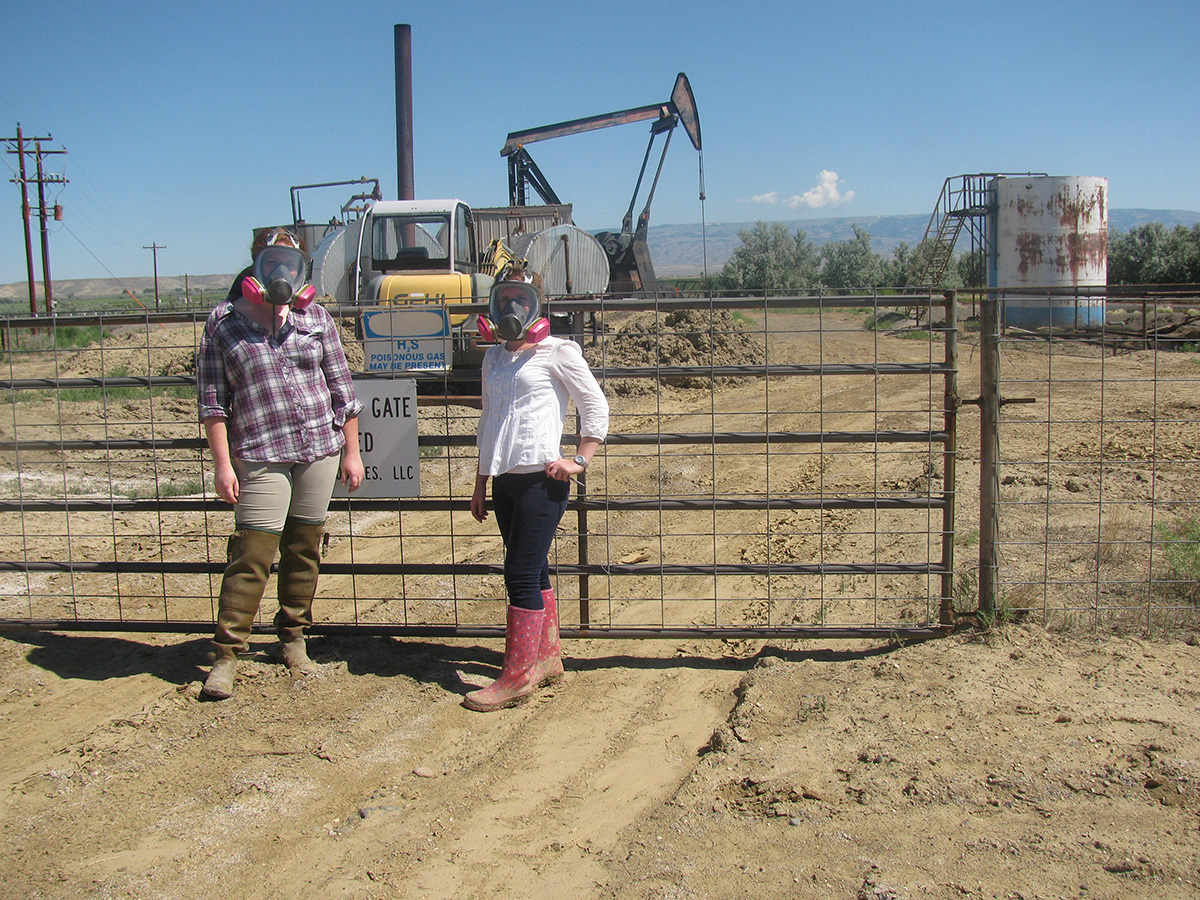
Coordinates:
1015	764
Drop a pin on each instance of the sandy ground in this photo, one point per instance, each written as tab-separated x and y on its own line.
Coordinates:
1021	762
1015	764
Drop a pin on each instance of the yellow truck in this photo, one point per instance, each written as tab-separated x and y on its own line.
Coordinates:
443	254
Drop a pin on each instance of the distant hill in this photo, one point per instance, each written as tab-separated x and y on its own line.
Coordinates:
677	250
199	287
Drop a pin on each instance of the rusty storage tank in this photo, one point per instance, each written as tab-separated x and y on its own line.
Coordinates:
1049	249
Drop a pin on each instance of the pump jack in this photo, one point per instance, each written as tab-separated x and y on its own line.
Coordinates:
628	254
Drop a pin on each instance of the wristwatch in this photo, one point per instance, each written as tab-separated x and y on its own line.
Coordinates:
581	461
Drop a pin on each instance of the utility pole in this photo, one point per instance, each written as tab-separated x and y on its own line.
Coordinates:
155	247
42	179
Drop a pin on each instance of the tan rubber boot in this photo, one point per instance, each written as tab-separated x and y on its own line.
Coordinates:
522	639
549	668
299	568
250	554
219	684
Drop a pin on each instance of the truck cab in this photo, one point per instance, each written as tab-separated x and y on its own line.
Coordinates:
408	253
420	250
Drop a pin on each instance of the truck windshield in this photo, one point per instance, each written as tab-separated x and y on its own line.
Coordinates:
411	242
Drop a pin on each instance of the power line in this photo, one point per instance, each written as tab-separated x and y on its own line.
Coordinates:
103	205
110	272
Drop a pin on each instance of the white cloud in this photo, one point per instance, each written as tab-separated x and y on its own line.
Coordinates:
826	193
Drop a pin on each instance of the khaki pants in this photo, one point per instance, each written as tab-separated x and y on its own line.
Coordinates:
272	493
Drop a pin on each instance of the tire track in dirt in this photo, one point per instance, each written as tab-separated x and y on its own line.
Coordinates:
561	779
66	692
311	784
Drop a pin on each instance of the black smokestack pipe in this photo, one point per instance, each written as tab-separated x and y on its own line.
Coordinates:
404	127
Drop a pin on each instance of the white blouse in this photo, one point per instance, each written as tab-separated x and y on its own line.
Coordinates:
525	397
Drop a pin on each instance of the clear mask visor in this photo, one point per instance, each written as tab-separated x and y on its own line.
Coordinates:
281	271
513	306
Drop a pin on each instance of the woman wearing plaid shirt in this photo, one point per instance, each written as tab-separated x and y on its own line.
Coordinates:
277	402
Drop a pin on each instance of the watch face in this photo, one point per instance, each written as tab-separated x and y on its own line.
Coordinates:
581	461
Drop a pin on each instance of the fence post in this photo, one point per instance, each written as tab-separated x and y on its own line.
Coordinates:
950	405
989	450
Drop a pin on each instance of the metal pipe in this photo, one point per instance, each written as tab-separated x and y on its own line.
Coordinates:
405	188
342	504
648	439
949	456
887	633
152	567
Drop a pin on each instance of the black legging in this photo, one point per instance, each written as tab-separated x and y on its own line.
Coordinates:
528	509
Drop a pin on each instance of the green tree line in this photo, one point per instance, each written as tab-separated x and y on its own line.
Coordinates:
1155	254
770	257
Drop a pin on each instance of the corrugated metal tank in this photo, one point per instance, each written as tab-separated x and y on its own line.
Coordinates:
333	262
1050	233
506	222
569	260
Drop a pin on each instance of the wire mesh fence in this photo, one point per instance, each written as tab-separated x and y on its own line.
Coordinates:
775	465
1096	518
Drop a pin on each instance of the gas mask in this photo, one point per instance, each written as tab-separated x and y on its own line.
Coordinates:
277	278
514	313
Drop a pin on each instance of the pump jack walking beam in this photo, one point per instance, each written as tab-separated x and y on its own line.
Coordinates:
629	258
681	107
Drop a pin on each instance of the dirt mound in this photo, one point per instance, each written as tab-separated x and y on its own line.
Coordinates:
1178	327
164	350
137	353
352	345
679	338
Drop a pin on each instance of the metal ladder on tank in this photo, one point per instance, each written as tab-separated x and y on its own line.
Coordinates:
965	200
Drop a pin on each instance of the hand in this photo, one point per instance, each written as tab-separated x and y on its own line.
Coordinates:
478	500
563	469
226	483
352	472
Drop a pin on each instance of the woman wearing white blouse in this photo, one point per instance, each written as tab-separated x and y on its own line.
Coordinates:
527	381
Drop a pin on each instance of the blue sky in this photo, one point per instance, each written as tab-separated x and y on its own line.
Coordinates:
186	125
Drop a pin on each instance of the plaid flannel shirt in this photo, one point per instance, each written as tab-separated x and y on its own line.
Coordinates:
285	396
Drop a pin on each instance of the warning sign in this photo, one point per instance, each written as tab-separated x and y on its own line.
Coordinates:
407	340
387	439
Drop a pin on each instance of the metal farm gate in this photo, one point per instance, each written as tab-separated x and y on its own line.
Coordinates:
777	467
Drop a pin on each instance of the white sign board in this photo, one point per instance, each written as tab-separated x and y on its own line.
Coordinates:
407	339
387	439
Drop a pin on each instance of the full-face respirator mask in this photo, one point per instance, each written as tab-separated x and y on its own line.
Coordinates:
278	278
514	314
